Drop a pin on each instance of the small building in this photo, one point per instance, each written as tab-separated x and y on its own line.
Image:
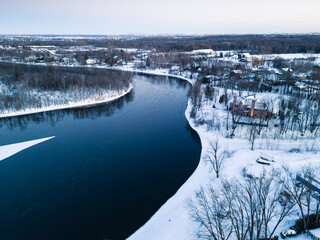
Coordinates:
31	58
287	70
68	60
250	107
203	52
91	61
300	85
175	69
238	71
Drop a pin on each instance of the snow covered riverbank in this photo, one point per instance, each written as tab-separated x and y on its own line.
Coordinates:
107	97
155	72
172	220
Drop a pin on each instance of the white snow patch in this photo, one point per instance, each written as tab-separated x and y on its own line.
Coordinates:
11	149
315	232
202	51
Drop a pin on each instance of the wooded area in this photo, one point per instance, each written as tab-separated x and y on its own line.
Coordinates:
263	44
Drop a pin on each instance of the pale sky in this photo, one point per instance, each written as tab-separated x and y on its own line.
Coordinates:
158	17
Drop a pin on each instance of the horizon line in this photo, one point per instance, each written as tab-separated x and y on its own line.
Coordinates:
160	34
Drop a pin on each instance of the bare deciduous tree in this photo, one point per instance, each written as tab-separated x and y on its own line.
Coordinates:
207	210
216	156
301	193
253	134
247	207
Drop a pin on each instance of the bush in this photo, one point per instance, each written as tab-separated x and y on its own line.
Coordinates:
311	225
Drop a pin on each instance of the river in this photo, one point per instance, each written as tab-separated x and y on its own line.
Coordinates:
107	171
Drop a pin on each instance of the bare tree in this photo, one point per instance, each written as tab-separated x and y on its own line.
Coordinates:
236	117
253	134
216	156
236	206
268	192
299	192
206	209
244	208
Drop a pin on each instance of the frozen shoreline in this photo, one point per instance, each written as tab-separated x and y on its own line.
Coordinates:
171	219
78	104
157	72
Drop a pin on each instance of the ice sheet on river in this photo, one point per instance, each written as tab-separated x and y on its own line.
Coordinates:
11	149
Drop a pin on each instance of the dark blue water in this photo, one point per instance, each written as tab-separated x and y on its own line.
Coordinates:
109	169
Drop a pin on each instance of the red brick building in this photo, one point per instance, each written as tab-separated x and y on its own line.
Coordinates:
250	107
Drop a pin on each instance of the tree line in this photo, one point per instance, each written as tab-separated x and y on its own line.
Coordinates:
264	44
62	78
31	86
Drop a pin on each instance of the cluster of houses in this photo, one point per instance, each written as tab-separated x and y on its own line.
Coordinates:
262	74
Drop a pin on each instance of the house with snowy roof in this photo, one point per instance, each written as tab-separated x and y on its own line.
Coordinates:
250	106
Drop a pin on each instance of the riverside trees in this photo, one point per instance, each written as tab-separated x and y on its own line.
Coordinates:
30	86
253	208
247	209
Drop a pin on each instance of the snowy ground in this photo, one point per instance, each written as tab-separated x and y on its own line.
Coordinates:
171	221
11	149
288	56
301	237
